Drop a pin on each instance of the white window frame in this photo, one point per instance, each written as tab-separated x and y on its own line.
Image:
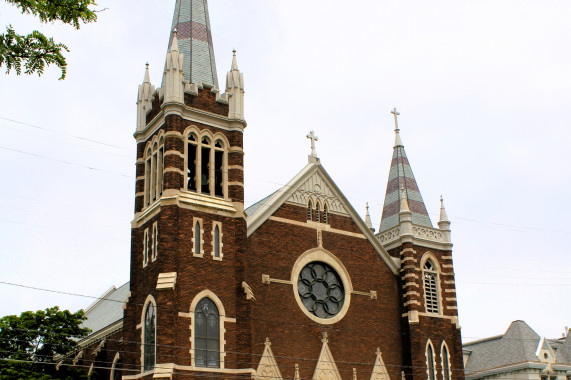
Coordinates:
114	366
429	344
154	169
150	299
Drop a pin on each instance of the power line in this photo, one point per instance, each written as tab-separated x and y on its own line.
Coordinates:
67	134
65	162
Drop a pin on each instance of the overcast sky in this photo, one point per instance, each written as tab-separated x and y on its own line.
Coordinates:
484	92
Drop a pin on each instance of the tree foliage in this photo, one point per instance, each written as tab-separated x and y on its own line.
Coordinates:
30	343
35	51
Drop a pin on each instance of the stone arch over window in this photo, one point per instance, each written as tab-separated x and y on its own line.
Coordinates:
430	361
116	368
431	284
206	160
207	344
445	356
149	334
154	168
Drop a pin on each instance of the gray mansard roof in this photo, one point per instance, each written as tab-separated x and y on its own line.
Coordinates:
518	345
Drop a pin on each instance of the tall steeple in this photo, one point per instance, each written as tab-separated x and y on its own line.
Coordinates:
192	23
401	181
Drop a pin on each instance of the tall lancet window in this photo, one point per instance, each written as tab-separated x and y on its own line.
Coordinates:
160	168
309	210
431	287
197	238
430	367
216	242
445	362
191	162
218	168
206	334
325	213
317	212
205	166
154	172
148	169
149	338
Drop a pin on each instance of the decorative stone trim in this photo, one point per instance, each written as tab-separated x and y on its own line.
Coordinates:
412	293
322	226
451	299
266	279
236	184
413	284
173	152
235	167
248	291
166	280
449	282
173	134
413	275
412	302
449	290
410	258
371	294
173	170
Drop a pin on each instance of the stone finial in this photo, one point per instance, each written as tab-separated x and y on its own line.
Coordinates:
267	342
147	78
354	373
297	376
174	45
235	90
443	216
234	61
378	352
325	338
368	219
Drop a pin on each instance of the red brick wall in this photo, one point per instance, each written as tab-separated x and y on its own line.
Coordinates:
368	324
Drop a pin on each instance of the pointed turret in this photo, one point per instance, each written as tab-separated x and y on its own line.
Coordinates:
368	219
443	222
192	22
400	176
144	98
173	76
235	90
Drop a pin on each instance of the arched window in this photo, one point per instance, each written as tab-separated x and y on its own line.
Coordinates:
191	162
116	368
218	168
325	213
317	212
446	373
154	170
431	287
309	210
149	337
206	334
430	367
216	244
148	177
206	165
197	238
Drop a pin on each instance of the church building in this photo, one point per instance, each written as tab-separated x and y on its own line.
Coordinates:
296	286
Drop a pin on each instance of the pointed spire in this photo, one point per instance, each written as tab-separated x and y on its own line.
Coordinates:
144	97
401	176
443	216
235	90
368	219
194	39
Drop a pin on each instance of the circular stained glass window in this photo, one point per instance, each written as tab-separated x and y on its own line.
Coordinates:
321	290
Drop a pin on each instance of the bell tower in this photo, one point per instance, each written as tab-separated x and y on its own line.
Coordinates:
189	231
431	331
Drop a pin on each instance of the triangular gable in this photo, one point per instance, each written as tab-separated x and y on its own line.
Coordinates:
379	370
268	367
311	175
326	369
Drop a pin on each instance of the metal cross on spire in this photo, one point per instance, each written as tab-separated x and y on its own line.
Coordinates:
396	113
313	139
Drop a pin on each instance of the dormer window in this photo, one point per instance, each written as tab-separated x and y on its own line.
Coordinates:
206	162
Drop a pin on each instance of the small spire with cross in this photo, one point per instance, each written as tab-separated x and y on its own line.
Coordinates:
311	135
398	141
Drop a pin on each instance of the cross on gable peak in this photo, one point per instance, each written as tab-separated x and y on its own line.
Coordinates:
311	135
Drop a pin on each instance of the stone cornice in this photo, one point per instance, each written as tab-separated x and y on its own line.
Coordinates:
421	236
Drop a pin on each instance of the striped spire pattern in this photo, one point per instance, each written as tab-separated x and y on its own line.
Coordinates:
192	23
401	177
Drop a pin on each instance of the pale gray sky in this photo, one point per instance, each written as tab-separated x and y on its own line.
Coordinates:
484	91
